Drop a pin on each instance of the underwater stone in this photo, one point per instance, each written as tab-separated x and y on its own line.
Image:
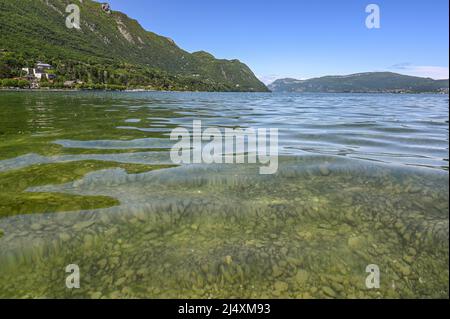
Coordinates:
121	281
408	259
355	242
305	295
82	225
276	271
404	270
205	267
64	237
337	286
96	295
324	170
141	216
115	295
105	219
329	292
412	251
102	263
228	260
36	226
281	286
301	277
88	241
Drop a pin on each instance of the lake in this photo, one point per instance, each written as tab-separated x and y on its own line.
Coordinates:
86	179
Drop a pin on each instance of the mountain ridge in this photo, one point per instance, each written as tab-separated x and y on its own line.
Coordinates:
366	82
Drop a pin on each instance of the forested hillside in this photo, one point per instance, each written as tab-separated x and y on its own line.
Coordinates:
108	49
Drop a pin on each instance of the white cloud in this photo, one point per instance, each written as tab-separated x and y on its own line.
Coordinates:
434	72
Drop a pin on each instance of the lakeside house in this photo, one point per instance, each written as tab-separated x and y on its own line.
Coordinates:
38	73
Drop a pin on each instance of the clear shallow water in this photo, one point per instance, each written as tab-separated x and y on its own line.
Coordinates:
363	179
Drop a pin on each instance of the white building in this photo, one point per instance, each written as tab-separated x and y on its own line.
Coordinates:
39	72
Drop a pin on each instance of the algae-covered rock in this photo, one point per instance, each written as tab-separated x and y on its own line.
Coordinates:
277	271
405	270
408	259
121	281
280	286
324	170
102	263
96	295
329	292
36	226
82	225
228	260
356	242
115	295
301	277
64	237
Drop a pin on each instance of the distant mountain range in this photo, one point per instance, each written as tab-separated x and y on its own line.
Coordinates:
371	82
110	48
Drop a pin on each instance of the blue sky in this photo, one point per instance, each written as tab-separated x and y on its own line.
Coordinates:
304	39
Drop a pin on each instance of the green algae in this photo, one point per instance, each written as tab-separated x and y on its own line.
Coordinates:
36	203
14	200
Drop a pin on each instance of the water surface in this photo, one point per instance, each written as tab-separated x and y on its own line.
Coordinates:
86	178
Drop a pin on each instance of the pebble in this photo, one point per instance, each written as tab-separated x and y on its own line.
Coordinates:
64	237
36	226
281	286
115	295
121	281
355	242
408	259
102	263
276	271
228	260
404	270
82	225
324	170
301	277
96	295
412	251
329	291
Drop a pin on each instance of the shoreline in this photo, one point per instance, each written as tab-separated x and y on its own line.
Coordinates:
112	90
175	91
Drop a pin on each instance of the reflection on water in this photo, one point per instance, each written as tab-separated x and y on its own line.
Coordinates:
363	179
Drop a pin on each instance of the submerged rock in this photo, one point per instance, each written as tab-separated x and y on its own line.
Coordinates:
355	242
228	260
64	237
301	277
82	225
329	292
324	170
36	226
281	286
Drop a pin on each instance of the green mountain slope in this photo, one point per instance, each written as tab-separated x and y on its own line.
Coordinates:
109	48
362	82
